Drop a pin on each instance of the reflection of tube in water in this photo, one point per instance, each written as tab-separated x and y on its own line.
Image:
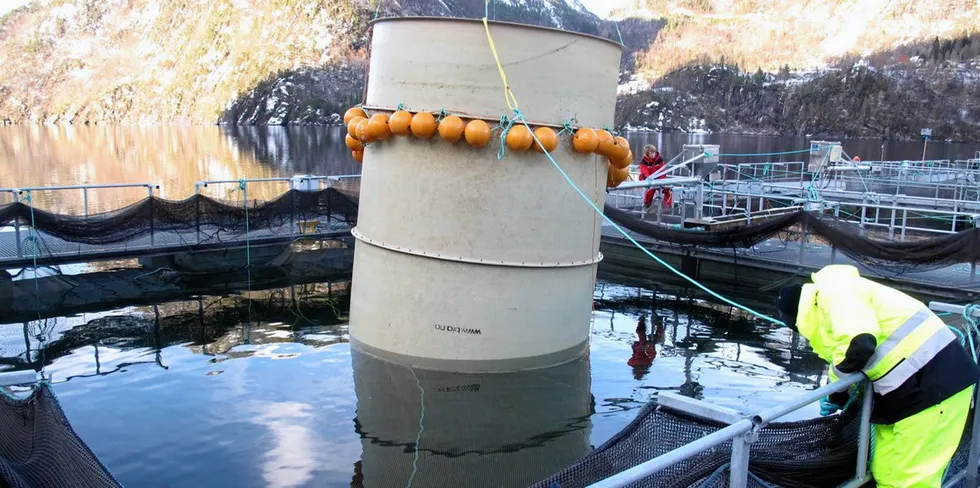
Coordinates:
506	429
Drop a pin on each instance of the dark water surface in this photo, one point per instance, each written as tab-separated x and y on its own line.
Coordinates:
257	389
175	157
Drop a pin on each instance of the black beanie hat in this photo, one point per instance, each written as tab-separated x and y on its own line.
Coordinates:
788	302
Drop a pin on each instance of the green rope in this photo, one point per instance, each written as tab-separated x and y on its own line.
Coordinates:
442	113
620	34
504	125
566	126
401	106
627	236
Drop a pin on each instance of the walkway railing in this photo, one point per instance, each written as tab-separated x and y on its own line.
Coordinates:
13	251
743	432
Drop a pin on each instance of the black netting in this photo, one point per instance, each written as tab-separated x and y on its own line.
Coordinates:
961	247
193	220
816	452
39	447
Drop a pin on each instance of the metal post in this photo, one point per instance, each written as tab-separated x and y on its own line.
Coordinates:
724	204
699	199
833	248
85	200
891	222
864	435
905	218
955	215
152	215
864	209
738	476
803	231
973	272
973	462
20	252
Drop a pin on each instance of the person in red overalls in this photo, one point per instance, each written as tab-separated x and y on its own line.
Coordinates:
652	163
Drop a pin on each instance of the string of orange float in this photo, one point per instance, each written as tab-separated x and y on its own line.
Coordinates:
363	130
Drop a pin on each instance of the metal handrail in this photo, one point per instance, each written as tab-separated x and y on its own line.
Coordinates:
748	425
745	431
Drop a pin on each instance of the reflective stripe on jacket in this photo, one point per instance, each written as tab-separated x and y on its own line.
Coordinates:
840	305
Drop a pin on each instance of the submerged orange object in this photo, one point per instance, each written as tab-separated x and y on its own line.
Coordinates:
606	143
353	112
477	133
451	128
519	138
400	123
358	155
352	126
585	140
378	127
609	176
548	139
353	144
364	131
423	125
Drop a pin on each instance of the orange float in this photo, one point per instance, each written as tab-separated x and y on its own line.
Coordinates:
400	123
477	133
451	128
585	140
353	112
353	144
606	143
548	139
423	125
352	126
358	155
619	149
622	163
618	176
609	176
363	130
519	138
378	127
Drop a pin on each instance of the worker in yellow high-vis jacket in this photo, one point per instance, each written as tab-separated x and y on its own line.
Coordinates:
921	376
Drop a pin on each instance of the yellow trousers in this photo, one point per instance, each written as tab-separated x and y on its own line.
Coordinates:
914	452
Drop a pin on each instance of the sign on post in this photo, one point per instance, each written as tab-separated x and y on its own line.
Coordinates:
926	134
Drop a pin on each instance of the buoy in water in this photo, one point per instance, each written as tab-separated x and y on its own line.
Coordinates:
353	112
451	128
477	133
519	138
606	143
548	139
423	125
585	140
378	127
400	123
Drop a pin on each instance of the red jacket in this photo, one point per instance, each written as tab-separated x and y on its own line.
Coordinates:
649	166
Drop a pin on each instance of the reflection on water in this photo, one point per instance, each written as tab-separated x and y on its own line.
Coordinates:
509	429
260	388
176	157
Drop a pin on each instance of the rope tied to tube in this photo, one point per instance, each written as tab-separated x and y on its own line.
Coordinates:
504	125
566	126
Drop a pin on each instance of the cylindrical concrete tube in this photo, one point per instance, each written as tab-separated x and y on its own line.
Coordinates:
465	262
